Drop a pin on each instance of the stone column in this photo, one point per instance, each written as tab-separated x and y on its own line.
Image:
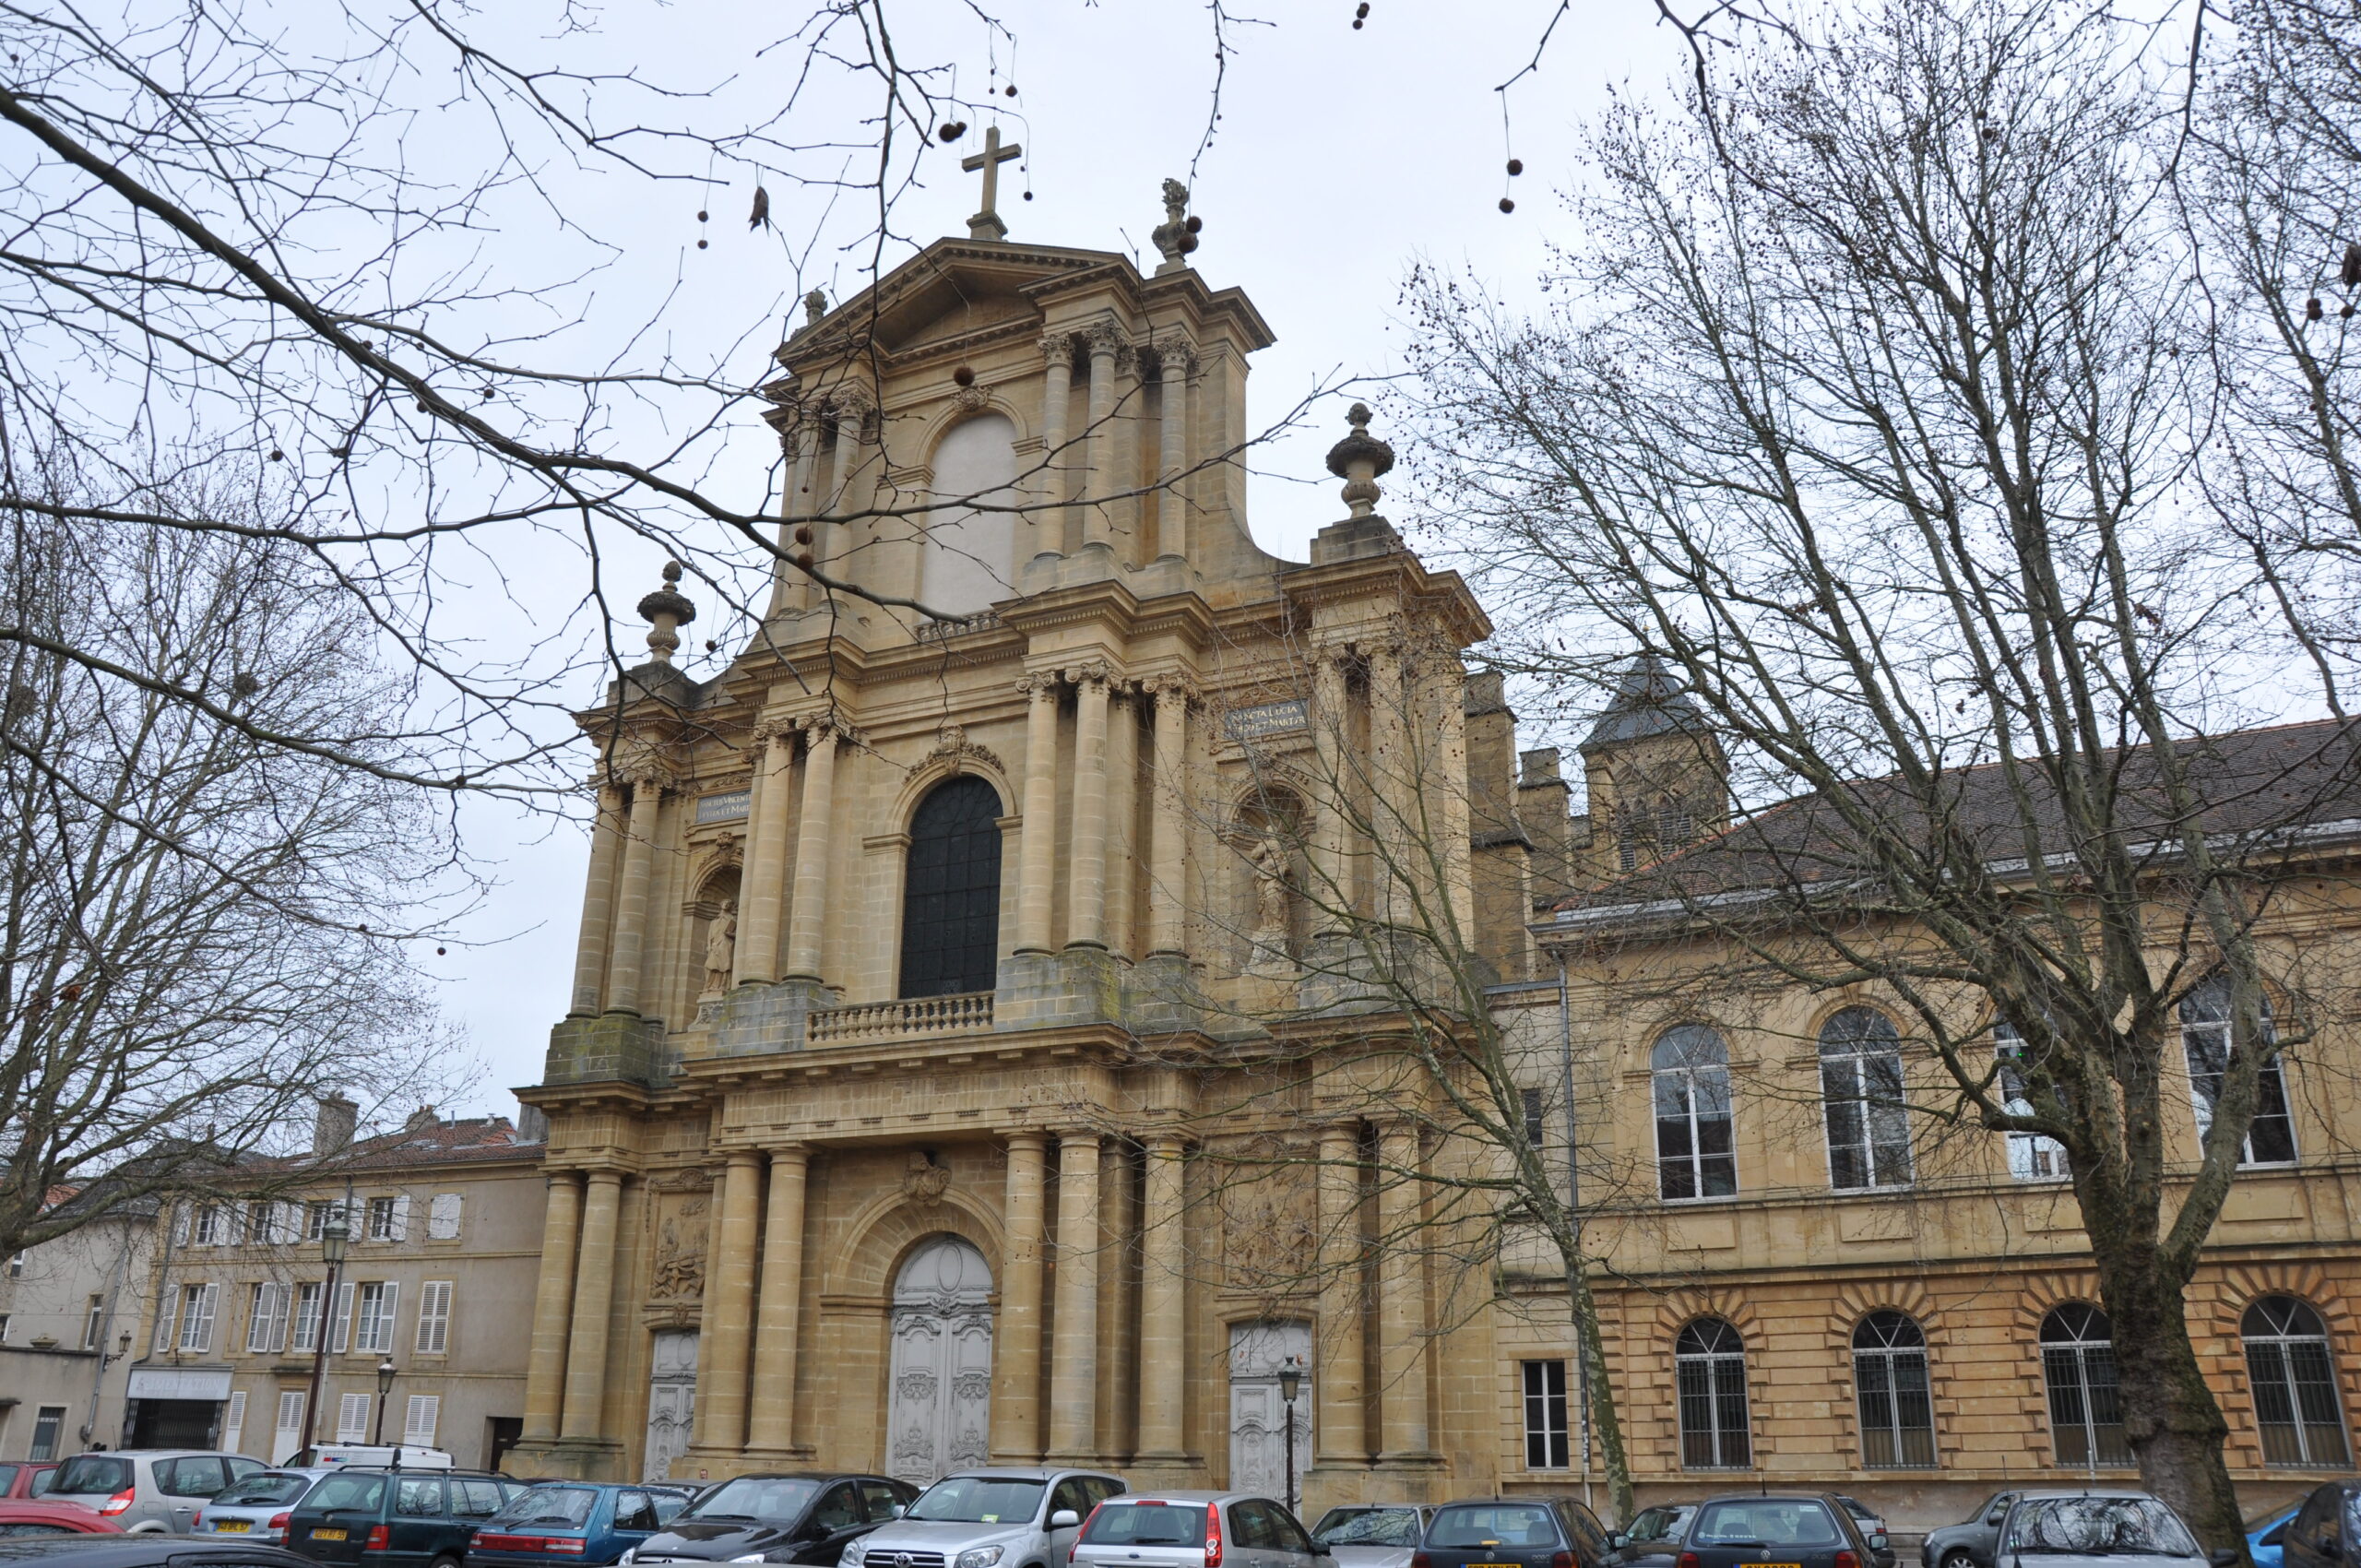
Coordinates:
791	589
631	904
782	1301
1331	889
1087	856
1016	1348
1168	853
552	1308
1339	1430
852	409
1074	1355
1163	1302
766	888
1106	341
807	921
597	903
1401	1298
1403	841
1037	854
1449	682
1056	389
1123	819
1172	455
724	1342
594	1294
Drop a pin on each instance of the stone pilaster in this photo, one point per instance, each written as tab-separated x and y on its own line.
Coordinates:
1087	856
1073	1353
598	905
1339	1430
552	1308
1403	1435
1169	837
1057	395
594	1294
1123	819
1331	889
814	847
1164	1361
1107	345
773	1429
1178	363
762	903
726	1340
1016	1349
629	955
1037	852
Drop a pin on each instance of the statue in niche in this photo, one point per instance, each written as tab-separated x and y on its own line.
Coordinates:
721	948
1268	858
680	1253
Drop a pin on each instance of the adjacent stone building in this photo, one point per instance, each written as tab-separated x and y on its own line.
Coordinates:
69	1309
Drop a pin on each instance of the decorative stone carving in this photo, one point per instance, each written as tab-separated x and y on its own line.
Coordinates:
1269	859
681	1238
1358	461
952	742
1037	681
924	1181
1177	236
721	948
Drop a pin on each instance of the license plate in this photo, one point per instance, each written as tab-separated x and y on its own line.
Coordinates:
1770	1566
328	1534
236	1527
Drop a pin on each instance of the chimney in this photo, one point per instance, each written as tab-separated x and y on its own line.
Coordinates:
422	1120
333	1126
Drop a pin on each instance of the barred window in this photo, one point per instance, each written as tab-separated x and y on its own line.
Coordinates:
1709	1361
1545	1416
1889	1385
950	896
2086	1404
2294	1377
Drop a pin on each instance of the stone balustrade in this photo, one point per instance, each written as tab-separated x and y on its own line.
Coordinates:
968	1012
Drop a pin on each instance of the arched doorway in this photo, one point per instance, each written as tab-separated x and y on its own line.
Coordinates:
940	1395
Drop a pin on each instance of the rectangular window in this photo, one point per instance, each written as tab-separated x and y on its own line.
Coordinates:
419	1418
1537	1126
434	1317
340	1321
1869	1126
1545	1416
352	1418
208	1226
306	1334
49	1432
375	1330
2205	1039
389	1220
234	1421
443	1218
2032	1157
196	1304
94	1323
316	1217
267	1318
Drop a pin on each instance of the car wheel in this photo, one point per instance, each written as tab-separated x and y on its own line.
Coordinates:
1959	1559
446	1560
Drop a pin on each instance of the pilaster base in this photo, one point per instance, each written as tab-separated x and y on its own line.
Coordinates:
577	1458
1158	1472
1081	985
1337	978
1329	1484
605	1048
757	1019
1160	995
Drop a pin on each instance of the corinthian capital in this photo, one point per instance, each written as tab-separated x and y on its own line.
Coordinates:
1039	681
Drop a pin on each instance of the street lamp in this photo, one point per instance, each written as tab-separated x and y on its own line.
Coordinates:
1290	1385
333	1234
385	1387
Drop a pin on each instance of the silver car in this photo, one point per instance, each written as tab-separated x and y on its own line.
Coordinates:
255	1508
148	1490
987	1519
2098	1528
1373	1535
1196	1529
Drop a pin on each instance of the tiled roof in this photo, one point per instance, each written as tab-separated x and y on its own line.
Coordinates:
1647	702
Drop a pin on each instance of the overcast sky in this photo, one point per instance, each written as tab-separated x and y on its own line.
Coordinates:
1343	156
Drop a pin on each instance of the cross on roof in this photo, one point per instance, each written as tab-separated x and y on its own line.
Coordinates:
986	223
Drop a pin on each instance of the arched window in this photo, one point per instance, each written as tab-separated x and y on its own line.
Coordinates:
2085	1407
2205	1039
1860	1091
1692	1100
1709	1360
967	555
2032	1157
950	900
2294	1384
1890	1384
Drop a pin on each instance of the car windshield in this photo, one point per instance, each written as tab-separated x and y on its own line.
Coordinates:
1772	1521
977	1499
347	1491
262	1489
2099	1526
1367	1527
768	1498
93	1472
566	1506
1493	1523
1656	1523
1122	1523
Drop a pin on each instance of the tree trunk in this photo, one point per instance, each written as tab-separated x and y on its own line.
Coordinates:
1604	1420
2174	1427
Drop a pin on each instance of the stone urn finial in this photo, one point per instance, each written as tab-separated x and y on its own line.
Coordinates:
1177	236
1357	460
815	306
666	612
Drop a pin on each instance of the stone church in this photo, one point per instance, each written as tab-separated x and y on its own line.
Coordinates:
909	936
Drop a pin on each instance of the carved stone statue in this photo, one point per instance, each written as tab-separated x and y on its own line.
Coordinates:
721	948
1269	859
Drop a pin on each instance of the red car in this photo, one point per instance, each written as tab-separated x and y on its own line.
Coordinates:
30	1516
24	1479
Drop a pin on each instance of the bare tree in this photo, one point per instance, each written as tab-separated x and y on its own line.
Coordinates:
200	930
1871	409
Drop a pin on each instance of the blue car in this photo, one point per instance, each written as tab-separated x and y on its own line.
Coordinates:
2264	1538
573	1522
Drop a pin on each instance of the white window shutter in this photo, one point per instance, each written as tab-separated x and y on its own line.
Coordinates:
168	1320
291	1223
443	1218
341	1337
180	1225
234	1424
400	1231
352	1418
418	1421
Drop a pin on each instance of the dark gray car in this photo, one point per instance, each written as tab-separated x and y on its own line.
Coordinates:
1969	1543
2091	1528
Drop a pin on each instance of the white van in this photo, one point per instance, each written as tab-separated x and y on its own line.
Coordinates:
388	1455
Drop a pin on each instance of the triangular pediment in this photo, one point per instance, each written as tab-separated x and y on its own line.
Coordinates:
955	291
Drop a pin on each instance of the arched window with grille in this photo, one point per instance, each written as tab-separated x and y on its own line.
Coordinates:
1709	1363
2086	1404
1692	1085
2205	1039
1861	1096
1889	1385
951	896
2294	1378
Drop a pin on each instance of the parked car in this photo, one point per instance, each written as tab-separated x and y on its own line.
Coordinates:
2323	1533
1969	1543
1785	1529
373	1456
27	1478
776	1519
573	1522
1193	1529
988	1519
39	1516
2266	1533
146	1489
1654	1536
258	1506
1513	1533
1872	1525
1373	1535
2128	1528
145	1549
371	1518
